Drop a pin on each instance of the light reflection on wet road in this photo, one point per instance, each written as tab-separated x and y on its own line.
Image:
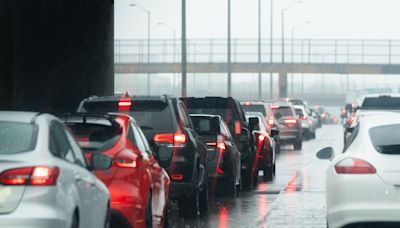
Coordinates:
294	173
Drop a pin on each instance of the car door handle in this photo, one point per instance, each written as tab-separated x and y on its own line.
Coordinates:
78	178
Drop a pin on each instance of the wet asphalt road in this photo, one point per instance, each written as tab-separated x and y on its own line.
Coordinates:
295	198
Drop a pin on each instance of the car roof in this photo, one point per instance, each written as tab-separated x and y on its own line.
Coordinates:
117	98
380	120
204	115
18	116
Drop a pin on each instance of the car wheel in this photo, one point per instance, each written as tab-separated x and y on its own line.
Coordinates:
149	212
75	220
247	176
189	207
203	201
107	220
298	144
230	185
268	172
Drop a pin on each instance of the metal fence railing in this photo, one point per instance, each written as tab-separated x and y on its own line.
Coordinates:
246	50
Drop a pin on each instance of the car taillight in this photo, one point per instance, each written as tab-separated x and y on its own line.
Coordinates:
220	144
304	117
290	121
354	166
126	163
238	128
261	138
37	176
173	138
271	121
274	106
177	177
350	120
124	104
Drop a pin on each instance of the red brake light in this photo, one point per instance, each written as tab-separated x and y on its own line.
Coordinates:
271	121
274	106
39	176
177	177
354	166
221	146
124	104
261	138
126	163
238	128
290	121
177	138
304	117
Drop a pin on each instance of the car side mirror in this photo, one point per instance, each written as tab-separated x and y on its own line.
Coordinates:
253	123
326	153
100	162
274	132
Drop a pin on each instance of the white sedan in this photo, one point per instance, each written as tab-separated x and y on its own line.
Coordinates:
363	183
44	178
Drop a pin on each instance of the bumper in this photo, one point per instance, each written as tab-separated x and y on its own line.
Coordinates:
289	135
179	189
360	199
353	215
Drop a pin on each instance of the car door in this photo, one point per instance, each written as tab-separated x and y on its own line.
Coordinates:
230	142
96	193
77	178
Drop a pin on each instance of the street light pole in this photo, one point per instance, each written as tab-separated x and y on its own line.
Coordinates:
174	51
259	52
283	75
229	51
148	41
271	49
184	63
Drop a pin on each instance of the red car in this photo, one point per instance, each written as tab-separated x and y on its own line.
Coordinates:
138	185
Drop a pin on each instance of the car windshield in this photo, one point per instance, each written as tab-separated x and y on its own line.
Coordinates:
17	137
386	139
254	108
382	102
94	135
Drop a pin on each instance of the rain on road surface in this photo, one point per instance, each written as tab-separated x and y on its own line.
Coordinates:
295	198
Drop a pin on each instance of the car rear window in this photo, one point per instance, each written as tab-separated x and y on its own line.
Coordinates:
386	139
149	115
203	124
17	137
382	102
283	111
95	134
225	108
299	112
255	108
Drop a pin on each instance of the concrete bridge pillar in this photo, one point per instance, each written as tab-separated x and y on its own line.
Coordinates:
282	84
55	53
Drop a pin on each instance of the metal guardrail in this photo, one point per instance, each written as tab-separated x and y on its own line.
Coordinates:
350	51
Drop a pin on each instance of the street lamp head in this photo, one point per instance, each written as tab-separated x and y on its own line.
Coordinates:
132	5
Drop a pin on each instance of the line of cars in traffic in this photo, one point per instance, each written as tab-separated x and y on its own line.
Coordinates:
362	184
120	160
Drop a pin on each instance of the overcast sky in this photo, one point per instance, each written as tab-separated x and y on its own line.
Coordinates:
358	19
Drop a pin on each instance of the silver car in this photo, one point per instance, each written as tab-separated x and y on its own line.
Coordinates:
44	178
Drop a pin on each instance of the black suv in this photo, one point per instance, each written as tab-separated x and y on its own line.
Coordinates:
232	113
177	147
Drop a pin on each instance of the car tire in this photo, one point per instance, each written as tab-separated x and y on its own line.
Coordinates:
204	200
247	176
107	220
75	220
189	207
229	180
149	212
298	144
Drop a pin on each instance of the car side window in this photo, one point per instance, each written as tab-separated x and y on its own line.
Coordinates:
137	139
59	144
80	159
144	140
185	118
352	137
